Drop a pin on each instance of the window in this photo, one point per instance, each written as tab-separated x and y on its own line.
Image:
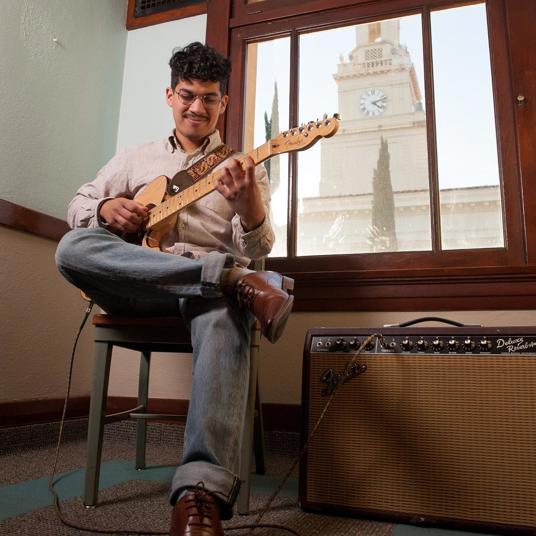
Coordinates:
417	199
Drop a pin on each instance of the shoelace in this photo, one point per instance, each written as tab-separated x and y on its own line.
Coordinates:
246	295
202	505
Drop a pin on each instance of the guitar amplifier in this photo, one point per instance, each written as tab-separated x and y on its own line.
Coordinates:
429	425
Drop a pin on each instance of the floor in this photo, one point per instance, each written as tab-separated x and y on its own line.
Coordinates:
131	498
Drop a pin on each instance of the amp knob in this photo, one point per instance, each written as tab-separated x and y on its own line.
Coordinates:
422	345
437	345
468	345
453	344
370	345
354	343
340	344
406	344
485	345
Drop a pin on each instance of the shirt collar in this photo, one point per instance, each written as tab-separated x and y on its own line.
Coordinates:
211	142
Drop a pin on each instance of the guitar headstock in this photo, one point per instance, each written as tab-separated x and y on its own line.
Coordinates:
304	136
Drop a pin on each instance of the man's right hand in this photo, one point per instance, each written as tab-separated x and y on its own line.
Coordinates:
123	215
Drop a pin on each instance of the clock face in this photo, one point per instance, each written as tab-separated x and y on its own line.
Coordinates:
373	102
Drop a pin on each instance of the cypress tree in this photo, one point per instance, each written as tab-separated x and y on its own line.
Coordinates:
383	228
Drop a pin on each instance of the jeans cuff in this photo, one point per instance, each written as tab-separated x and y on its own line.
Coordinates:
213	266
221	482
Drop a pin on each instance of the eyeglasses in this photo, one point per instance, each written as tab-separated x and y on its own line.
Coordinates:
210	101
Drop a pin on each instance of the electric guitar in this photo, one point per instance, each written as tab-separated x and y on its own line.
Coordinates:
164	207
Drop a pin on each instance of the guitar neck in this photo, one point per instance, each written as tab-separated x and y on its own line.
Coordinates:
199	189
295	139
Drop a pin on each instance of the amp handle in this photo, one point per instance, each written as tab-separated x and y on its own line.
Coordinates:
433	319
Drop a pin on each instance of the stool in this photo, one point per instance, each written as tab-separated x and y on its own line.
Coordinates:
147	335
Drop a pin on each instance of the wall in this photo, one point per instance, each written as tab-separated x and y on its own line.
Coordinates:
40	314
60	99
144	114
59	115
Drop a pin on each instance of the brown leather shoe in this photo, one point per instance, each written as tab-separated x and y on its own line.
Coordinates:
196	514
265	294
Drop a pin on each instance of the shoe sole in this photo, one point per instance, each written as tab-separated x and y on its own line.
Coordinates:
287	284
279	322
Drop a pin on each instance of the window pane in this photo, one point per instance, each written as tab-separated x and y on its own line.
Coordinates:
471	212
367	188
267	114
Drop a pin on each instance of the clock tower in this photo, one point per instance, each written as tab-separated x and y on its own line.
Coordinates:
378	96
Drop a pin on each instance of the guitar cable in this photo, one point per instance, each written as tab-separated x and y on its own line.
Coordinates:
252	526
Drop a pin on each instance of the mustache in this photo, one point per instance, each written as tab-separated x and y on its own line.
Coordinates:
193	115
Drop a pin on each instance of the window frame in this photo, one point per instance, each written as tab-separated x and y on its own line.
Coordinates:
495	278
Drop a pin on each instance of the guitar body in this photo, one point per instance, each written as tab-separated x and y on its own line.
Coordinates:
152	196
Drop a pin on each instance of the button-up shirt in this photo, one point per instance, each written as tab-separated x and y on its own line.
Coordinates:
208	224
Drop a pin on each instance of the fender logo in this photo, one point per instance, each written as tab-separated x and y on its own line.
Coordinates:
332	379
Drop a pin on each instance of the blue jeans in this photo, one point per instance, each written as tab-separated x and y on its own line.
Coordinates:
127	279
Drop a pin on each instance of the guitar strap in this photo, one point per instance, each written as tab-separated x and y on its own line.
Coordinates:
187	177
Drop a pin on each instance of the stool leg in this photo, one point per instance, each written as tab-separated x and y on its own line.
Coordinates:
143	397
97	410
242	503
258	433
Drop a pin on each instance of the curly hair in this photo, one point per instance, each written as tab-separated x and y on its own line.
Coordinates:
200	62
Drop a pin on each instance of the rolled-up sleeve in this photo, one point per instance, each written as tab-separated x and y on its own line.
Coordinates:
111	182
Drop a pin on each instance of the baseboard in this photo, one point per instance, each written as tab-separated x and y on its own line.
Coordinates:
31	221
276	417
23	412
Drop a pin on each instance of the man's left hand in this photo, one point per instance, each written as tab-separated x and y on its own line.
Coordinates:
238	185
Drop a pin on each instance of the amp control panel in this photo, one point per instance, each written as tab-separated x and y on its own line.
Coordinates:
426	343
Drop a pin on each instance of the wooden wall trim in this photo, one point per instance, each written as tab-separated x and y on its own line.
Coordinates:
31	221
280	417
24	412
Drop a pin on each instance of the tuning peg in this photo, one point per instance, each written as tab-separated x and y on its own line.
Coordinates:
336	115
325	116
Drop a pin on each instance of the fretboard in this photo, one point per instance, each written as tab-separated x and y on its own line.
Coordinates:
199	189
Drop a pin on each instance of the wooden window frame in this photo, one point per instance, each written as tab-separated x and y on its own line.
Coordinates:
164	16
501	278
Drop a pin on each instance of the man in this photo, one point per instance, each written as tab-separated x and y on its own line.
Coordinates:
200	274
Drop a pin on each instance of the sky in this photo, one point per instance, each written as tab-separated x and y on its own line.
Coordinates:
462	86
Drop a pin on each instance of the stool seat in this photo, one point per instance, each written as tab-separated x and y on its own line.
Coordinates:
147	335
